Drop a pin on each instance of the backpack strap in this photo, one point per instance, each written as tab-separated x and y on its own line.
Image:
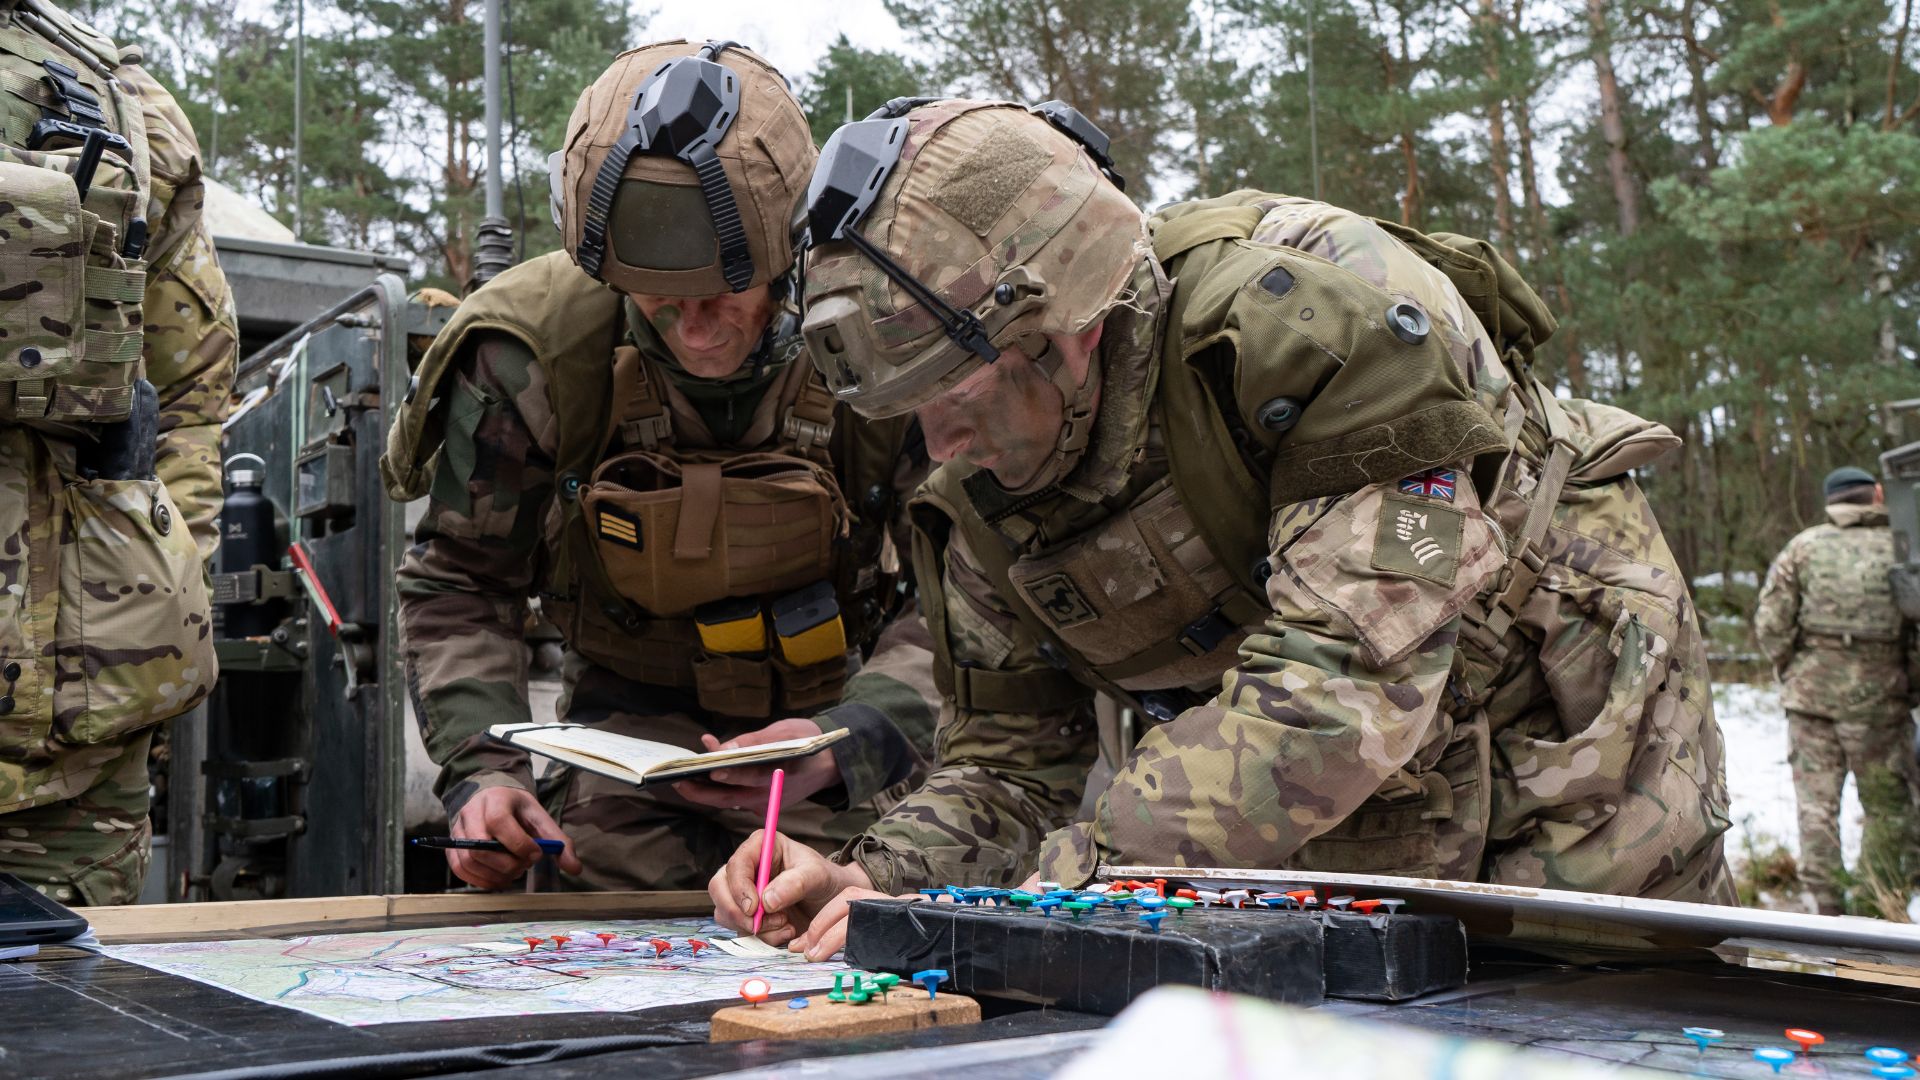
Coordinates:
808	421
643	420
1176	236
1487	622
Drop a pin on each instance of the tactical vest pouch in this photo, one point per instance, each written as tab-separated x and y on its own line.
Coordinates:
757	687
675	534
734	685
72	302
1145	567
43	265
124	661
809	689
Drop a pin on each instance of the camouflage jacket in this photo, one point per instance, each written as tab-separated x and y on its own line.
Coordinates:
1827	620
481	550
188	337
1355	692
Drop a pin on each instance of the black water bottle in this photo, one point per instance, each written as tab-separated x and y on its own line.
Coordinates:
248	539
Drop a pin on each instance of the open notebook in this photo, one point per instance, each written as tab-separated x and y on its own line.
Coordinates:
640	761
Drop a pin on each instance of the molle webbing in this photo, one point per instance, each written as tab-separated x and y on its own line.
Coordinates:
934	517
88	354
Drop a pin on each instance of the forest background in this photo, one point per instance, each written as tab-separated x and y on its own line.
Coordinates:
1719	198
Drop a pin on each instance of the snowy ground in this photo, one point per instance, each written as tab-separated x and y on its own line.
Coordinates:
1760	782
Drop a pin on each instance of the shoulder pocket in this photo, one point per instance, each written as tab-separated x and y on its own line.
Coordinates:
1392	569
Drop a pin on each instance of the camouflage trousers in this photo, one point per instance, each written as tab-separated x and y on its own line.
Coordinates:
1879	754
652	838
94	848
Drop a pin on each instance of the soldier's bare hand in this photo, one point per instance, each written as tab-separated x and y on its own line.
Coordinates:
802	882
513	817
745	788
827	934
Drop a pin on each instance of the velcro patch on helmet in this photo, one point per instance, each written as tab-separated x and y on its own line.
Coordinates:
985	183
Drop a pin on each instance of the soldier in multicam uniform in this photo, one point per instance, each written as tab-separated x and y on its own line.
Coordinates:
116	359
1849	666
629	429
1276	475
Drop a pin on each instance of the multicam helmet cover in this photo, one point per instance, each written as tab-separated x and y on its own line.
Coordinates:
1003	217
725	117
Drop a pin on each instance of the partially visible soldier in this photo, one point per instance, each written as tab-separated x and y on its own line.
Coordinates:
116	360
1277	475
629	428
1849	667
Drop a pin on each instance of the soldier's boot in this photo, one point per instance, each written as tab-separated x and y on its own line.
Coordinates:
92	849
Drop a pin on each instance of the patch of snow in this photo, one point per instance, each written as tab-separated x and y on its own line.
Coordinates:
1759	781
1749	578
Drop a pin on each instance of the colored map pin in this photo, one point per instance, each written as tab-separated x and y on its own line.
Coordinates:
1806	1039
1703	1037
756	990
1776	1056
930	980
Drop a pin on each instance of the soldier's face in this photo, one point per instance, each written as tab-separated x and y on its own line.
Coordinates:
711	336
1006	416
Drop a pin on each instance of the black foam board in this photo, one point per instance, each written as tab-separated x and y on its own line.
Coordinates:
1096	964
1393	957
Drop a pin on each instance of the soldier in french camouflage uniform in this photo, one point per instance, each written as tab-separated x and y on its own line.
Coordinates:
1276	475
116	359
629	430
1848	665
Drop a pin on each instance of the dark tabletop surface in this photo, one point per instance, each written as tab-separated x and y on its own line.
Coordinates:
79	1016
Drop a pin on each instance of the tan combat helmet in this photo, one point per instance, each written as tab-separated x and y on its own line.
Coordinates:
682	171
949	231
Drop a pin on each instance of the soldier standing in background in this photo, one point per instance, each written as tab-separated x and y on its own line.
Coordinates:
1848	667
630	429
1258	466
116	360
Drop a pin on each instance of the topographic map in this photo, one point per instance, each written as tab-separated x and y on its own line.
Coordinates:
466	972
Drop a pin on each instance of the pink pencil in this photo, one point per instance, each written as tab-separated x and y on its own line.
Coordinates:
766	846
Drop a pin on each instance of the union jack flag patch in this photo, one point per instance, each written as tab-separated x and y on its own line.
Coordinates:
1433	484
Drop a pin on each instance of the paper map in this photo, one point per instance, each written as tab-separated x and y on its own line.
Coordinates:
468	972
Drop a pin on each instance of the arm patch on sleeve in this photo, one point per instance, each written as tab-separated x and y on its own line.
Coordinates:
1419	538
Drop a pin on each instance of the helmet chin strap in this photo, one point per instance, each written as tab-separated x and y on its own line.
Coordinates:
1078	405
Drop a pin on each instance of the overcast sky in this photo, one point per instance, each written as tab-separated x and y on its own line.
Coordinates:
793	34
